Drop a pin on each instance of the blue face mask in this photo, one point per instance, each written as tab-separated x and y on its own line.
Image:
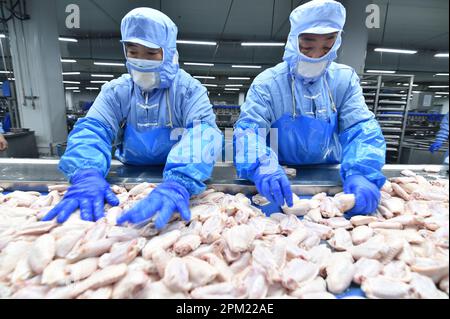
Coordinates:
144	65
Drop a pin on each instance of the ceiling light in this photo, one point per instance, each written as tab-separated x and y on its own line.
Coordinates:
204	77
263	44
5	72
71	73
76	91
442	93
72	88
196	42
198	64
109	63
210	85
101	82
407	84
92	88
441	55
102	75
2	36
71	82
68	61
67	39
246	66
438	96
441	74
438	86
381	71
395	51
235	85
227	89
238	78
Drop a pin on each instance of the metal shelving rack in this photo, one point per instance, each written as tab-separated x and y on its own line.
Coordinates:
422	128
226	115
386	96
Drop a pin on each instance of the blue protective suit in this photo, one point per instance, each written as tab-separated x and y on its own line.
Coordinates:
153	127
442	135
319	120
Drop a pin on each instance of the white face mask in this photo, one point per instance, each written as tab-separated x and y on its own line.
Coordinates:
146	80
311	69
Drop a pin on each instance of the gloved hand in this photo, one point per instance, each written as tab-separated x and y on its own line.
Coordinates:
435	146
167	198
275	187
367	195
88	192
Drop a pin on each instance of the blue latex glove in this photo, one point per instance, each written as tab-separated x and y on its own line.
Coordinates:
275	187
89	191
367	195
435	146
167	198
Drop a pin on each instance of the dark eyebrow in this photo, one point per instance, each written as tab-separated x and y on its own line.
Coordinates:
331	37
308	39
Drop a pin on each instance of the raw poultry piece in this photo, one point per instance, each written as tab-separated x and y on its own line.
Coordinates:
298	272
340	271
239	238
366	268
381	287
42	253
361	234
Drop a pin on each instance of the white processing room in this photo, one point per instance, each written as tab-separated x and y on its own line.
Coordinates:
172	149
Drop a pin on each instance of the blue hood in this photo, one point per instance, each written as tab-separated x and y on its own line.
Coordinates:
152	28
317	17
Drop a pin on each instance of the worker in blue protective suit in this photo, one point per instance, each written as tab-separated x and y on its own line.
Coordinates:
441	138
158	114
319	113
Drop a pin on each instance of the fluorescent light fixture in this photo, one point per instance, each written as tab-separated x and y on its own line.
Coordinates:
441	74
441	55
72	88
402	91
63	39
210	85
263	44
417	92
71	73
438	86
68	61
238	78
76	91
204	77
395	51
71	82
101	82
381	71
11	79
229	89
438	96
198	64
109	63
5	72
235	85
407	84
196	42
246	66
2	36
442	93
92	88
102	75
